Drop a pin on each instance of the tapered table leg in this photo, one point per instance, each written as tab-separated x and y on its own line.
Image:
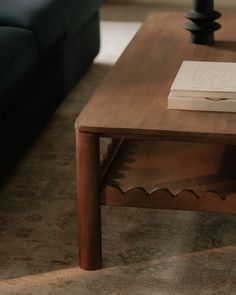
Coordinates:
89	211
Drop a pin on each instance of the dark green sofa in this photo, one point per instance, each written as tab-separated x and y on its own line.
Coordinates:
45	47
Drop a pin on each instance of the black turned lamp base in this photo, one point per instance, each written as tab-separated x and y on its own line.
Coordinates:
201	22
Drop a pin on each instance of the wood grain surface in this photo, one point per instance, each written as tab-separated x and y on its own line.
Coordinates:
132	100
174	175
89	214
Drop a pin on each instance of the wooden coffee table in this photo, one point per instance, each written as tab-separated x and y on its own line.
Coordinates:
159	158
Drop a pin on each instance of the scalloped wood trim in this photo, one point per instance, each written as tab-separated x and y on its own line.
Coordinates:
163	199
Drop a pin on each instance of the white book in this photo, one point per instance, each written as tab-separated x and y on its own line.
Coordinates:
206	80
201	104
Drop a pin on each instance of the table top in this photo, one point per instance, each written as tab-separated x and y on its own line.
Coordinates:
132	100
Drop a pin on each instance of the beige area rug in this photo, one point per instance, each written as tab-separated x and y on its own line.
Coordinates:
146	252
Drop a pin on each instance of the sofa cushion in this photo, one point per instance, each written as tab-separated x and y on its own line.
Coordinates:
52	20
18	55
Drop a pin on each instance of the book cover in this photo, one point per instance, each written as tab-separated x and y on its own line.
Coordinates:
205	79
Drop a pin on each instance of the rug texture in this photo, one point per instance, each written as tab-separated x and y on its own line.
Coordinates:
145	252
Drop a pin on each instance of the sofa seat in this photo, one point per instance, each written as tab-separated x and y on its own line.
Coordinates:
46	46
52	20
18	56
